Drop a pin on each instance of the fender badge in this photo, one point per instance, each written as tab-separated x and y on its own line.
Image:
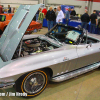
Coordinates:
65	59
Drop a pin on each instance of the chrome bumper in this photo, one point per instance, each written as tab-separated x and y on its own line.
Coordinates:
6	85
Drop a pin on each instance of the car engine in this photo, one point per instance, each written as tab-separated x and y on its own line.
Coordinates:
32	46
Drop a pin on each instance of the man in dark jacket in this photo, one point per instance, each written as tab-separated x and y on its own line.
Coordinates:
73	12
9	9
94	22
50	16
85	19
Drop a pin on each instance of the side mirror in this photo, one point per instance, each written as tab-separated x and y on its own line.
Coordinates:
89	45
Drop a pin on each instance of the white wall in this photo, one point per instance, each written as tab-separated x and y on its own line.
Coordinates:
15	3
96	6
71	2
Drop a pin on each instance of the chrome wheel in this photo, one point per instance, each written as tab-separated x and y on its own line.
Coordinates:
34	83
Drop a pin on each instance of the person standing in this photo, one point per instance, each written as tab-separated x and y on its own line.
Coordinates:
37	14
94	22
50	17
67	17
60	17
55	10
85	19
9	9
41	16
1	9
73	12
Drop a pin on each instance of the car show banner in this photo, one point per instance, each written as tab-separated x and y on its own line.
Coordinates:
64	8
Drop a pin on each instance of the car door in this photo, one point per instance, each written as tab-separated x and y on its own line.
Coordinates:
66	58
72	58
88	54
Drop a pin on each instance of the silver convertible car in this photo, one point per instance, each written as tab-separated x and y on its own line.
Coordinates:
29	62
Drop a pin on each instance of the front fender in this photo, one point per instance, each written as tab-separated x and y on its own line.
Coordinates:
34	62
30	63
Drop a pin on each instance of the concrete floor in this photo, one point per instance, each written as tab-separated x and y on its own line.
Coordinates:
84	87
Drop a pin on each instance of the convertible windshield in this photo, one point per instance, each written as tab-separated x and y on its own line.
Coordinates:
2	18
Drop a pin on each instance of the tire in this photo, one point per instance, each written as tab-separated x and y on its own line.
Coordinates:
32	83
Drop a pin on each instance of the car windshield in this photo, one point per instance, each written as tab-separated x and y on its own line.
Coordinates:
66	34
2	18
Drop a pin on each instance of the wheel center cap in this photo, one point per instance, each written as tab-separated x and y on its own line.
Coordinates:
33	82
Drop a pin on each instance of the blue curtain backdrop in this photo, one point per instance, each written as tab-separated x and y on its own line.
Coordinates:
64	8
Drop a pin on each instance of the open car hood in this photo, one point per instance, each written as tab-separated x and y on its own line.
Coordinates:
15	30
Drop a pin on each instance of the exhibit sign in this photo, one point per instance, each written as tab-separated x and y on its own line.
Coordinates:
64	8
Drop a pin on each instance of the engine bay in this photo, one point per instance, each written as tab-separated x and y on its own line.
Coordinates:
32	46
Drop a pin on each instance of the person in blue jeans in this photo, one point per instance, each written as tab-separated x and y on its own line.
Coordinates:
67	16
50	17
85	20
94	22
